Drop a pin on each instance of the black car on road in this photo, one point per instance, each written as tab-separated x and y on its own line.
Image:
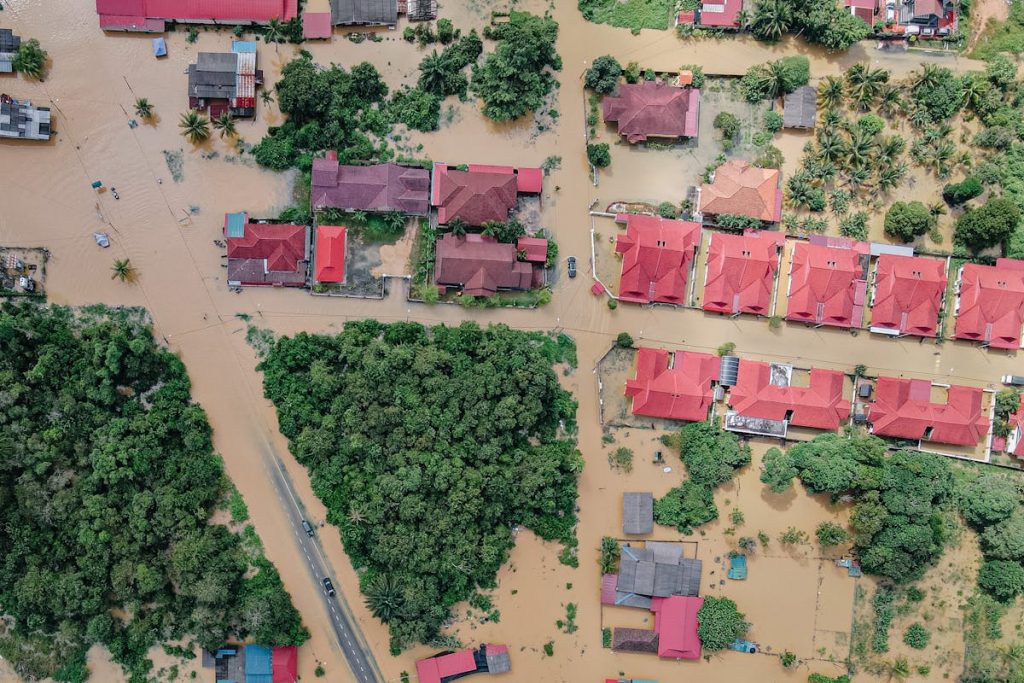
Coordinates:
308	528
328	587
572	266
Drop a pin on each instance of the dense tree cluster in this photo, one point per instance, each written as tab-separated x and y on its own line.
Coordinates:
906	221
956	194
428	446
603	75
719	623
774	79
107	483
825	23
517	76
990	224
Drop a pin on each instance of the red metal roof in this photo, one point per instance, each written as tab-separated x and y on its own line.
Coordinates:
1016	432
991	304
680	392
657	253
653	109
536	248
908	294
202	10
675	622
118	22
823	287
821	405
741	272
480	265
268	254
743	190
722	13
379	187
316	25
284	661
473	196
903	408
432	670
330	253
530	180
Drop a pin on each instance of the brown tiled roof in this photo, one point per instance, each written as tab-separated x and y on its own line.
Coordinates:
653	109
744	190
381	187
634	640
474	197
480	265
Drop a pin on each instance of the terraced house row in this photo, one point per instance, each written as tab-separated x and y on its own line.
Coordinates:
821	281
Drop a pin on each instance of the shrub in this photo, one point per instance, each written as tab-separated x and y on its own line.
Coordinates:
728	125
991	224
1002	579
445	31
30	59
793	536
871	124
788	659
621	459
777	470
624	340
906	221
603	75
667	210
831	534
726	348
686	506
720	623
549	648
610	552
916	636
855	226
699	79
771	157
772	121
958	193
599	154
612	304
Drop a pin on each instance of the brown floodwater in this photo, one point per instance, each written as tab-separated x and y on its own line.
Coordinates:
167	228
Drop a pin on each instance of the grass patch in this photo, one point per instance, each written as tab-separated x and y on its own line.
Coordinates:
1007	36
631	14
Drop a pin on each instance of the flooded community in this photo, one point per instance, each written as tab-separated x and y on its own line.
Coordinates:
609	340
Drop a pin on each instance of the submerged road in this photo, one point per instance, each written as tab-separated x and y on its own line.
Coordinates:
357	653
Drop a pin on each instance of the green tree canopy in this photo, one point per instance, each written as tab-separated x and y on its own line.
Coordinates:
990	224
686	506
711	454
1002	579
988	499
906	221
720	623
603	75
778	470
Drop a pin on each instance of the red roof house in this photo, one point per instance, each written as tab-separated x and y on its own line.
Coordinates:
713	13
487	658
380	187
827	285
1014	441
903	408
763	391
535	248
267	254
330	253
990	305
149	16
480	265
908	295
739	189
674	386
528	180
284	663
475	197
657	253
675	622
653	109
864	9
740	272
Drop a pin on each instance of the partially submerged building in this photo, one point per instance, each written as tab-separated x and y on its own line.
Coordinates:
828	284
20	119
673	385
637	513
225	82
865	10
740	272
907	409
378	187
265	254
364	12
928	19
151	16
480	265
443	668
652	109
253	664
907	295
723	14
739	189
9	44
990	303
657	256
658	570
674	635
766	392
800	108
479	194
330	254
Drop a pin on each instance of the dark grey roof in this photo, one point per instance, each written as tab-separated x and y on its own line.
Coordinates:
217	61
657	570
800	108
637	513
498	663
8	41
210	84
19	119
374	12
634	640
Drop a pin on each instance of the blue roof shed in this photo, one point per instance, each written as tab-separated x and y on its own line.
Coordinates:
258	667
159	47
234	225
242	46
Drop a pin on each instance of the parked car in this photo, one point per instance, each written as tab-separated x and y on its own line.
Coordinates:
308	528
572	266
328	586
1017	380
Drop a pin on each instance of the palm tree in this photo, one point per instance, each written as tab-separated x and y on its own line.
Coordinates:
274	32
123	270
194	126
936	209
394	220
891	176
864	84
457	226
384	598
899	669
891	148
831	119
266	96
830	92
433	74
857	178
355	515
919	117
225	124
974	90
928	77
890	100
143	108
831	147
742	18
862	149
772	18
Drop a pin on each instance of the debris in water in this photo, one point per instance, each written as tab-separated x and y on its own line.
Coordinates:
175	164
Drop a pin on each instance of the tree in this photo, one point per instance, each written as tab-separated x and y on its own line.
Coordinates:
225	123
445	31
958	193
773	79
1002	579
384	598
729	126
266	96
624	340
990	224
273	32
686	506
773	121
30	59
1005	540
610	552
194	127
916	636
906	221
719	623
598	154
516	77
778	470
772	19
603	75
711	454
123	270
988	499
143	108
831	534
830	92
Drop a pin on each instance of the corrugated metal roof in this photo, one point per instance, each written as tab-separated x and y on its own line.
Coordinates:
235	224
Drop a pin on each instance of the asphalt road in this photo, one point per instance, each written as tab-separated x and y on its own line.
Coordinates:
360	659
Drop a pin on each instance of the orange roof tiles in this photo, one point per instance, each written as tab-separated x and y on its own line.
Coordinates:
743	190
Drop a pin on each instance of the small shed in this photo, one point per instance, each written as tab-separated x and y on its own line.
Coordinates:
637	513
800	108
159	47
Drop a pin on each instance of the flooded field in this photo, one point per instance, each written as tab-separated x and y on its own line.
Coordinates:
169	215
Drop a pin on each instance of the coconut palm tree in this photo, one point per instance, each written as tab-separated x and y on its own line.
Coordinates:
928	77
857	178
831	147
831	119
891	148
890	100
974	91
457	226
864	84
384	598
919	117
225	124
772	18
123	270
862	149
194	126
394	220
143	108
830	92
433	74
274	32
891	176
266	96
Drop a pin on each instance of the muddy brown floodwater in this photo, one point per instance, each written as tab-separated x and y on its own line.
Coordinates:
167	226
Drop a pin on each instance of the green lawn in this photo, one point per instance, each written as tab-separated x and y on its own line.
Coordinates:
1007	36
632	14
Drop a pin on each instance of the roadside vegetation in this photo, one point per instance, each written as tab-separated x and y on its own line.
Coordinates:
31	59
428	446
631	14
822	23
108	480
